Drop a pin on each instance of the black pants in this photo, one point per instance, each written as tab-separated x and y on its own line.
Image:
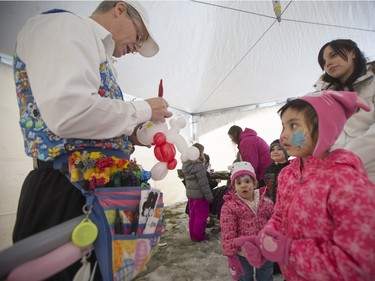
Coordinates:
47	199
217	203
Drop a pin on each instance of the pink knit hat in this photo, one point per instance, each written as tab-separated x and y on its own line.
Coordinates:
333	109
241	168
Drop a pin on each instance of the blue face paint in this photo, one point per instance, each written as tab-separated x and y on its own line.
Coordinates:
298	139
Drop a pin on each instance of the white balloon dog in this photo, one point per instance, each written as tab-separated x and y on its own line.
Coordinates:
157	133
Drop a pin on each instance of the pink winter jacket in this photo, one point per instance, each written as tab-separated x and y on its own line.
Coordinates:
255	150
328	209
238	219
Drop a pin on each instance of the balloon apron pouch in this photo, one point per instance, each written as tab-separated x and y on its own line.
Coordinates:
126	211
130	223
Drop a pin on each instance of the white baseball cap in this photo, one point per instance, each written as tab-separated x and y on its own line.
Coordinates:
149	48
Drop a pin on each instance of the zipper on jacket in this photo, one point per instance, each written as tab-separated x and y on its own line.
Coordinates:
292	203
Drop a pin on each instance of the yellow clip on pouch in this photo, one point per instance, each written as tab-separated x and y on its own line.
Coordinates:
85	233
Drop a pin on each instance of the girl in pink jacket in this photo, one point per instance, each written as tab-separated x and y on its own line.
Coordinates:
324	219
245	211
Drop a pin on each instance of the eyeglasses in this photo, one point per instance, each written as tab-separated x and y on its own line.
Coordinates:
140	35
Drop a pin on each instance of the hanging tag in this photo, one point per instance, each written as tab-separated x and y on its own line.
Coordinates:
83	274
85	233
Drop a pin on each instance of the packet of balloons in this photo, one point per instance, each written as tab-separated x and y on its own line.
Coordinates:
127	212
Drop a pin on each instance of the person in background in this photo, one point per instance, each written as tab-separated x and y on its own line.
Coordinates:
323	220
346	68
280	160
207	162
238	157
69	100
245	211
213	184
199	195
253	149
223	190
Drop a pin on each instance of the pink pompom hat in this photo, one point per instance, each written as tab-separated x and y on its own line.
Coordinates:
240	169
333	108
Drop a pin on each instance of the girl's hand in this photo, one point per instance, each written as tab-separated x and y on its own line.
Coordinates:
252	252
274	245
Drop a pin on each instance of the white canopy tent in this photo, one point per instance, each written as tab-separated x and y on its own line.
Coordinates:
216	55
222	63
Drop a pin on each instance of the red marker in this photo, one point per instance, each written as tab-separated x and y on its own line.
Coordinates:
160	94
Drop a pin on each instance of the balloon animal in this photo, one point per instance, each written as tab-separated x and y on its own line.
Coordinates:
165	141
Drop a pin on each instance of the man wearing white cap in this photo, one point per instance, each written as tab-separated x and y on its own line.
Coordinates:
69	100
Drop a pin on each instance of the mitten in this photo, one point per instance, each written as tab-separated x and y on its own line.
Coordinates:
235	267
274	245
251	250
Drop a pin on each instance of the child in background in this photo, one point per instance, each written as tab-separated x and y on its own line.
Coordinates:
213	183
280	160
323	221
279	157
199	195
245	211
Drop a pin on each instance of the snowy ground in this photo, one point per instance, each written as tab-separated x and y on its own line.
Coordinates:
184	260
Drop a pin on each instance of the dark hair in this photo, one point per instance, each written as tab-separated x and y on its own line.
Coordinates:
235	132
238	157
341	47
309	113
207	158
201	150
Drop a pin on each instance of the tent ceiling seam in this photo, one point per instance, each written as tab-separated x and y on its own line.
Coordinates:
245	55
249	106
262	36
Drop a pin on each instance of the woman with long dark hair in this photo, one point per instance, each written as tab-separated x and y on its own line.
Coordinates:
252	149
346	68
